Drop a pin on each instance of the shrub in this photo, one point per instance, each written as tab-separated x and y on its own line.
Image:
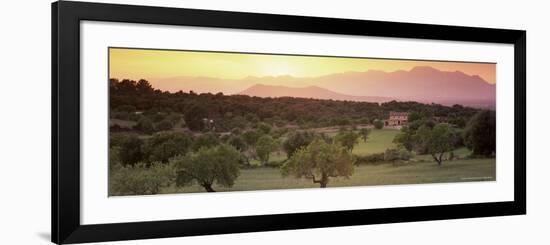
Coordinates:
130	150
206	140
145	125
397	154
378	124
371	158
127	108
264	127
140	179
164	125
275	164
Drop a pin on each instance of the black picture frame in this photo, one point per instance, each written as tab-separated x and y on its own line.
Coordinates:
66	18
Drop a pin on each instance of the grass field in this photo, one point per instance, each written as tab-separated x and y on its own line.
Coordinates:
379	140
365	175
420	170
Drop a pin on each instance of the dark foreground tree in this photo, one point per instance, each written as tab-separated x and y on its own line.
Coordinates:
436	141
480	133
208	166
320	161
194	117
130	150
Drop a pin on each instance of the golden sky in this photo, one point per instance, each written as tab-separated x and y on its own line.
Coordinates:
158	64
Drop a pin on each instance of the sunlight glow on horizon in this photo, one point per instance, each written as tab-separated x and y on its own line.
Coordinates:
159	64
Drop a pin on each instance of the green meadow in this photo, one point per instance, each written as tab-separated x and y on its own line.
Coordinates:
419	170
264	178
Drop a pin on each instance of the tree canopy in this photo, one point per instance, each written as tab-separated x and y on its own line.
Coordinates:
436	141
364	132
162	146
208	166
225	112
141	179
265	145
480	133
378	124
296	140
320	161
348	139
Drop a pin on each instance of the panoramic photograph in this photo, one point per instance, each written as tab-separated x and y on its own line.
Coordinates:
206	121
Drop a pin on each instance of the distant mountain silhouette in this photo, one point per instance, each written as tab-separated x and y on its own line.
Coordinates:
423	84
313	92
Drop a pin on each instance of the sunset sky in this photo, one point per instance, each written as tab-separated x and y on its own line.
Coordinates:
159	64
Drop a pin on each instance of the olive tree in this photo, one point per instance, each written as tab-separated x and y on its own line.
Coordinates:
364	132
296	140
164	145
320	161
436	141
347	139
208	166
265	145
405	138
140	179
237	142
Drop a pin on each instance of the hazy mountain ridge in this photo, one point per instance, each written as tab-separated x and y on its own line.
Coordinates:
312	92
422	83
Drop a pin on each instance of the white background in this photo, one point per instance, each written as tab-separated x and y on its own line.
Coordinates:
25	122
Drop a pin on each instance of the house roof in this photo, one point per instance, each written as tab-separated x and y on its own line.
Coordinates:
398	113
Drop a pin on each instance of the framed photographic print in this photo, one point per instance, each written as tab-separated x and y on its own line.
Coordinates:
176	122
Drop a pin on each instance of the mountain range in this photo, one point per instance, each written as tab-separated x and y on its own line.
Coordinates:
423	84
311	92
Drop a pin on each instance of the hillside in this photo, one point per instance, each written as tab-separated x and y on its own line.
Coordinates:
310	92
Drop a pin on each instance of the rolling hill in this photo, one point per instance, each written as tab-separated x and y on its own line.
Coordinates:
313	92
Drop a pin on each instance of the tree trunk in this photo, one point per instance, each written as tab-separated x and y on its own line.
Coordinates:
324	180
438	160
208	188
